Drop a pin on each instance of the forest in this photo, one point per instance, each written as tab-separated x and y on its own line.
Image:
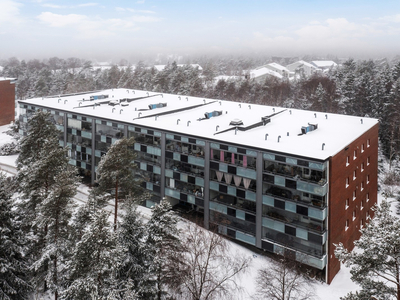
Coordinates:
364	88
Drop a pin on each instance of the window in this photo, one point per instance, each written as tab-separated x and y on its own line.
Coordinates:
347	203
362	204
347	225
368	216
354	195
367	179
367	197
368	161
362	185
361	223
362	148
354	175
347	182
362	167
368	143
354	154
354	215
347	160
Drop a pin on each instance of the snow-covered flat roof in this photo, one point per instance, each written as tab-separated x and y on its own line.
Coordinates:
186	115
7	78
278	66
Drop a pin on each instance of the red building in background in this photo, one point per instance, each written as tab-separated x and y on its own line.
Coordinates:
7	100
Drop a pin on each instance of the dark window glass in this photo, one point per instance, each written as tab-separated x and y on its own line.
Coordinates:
302	210
290	230
279	204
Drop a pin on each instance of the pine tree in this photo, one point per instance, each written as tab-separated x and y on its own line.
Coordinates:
164	249
134	253
376	260
94	262
14	282
55	213
115	172
47	184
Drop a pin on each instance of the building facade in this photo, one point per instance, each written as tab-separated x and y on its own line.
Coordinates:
7	100
286	181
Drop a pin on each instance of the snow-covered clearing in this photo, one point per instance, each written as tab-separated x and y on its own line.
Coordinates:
340	286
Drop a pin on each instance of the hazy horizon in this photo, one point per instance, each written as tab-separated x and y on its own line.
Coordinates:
122	29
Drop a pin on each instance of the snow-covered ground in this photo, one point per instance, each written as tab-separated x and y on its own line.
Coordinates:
339	287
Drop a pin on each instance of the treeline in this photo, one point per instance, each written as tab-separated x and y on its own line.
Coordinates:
361	88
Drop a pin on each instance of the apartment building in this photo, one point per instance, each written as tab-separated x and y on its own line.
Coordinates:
7	100
283	180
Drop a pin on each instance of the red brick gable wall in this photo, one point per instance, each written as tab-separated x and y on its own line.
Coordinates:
7	102
355	190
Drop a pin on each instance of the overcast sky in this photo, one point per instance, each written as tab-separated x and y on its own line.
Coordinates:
121	29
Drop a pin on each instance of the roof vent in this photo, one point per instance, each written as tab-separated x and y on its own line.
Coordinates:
215	113
236	122
97	97
159	105
310	127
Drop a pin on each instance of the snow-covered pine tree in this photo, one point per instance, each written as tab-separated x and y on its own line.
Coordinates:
55	213
164	248
94	262
44	178
115	172
375	260
40	159
135	257
14	282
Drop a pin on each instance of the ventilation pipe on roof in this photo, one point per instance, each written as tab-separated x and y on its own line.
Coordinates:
188	122
249	106
361	121
187	98
288	133
135	108
156	118
162	95
290	111
279	137
79	104
315	114
127	91
326	116
94	106
179	97
59	100
177	121
113	109
273	109
133	91
139	114
147	94
323	146
220	103
235	130
266	136
204	100
120	111
240	105
216	128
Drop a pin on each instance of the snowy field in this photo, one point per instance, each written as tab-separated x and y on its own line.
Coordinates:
340	286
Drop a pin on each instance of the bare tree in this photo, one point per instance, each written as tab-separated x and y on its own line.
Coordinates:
282	280
211	269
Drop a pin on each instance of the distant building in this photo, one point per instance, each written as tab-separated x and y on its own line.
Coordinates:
261	73
283	180
7	100
285	72
324	65
304	68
